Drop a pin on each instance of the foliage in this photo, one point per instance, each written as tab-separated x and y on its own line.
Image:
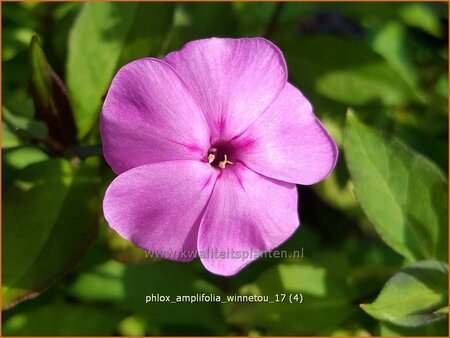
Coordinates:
374	235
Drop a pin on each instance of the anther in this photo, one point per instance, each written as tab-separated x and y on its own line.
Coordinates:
225	161
211	158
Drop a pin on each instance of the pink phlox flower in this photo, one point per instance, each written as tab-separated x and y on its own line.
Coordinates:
208	144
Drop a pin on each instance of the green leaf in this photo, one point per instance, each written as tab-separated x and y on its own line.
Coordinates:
49	221
127	31
364	85
9	138
402	193
423	16
391	41
414	296
24	126
62	319
326	301
15	160
439	328
353	75
50	98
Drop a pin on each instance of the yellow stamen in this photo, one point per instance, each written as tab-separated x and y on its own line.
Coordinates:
225	161
211	158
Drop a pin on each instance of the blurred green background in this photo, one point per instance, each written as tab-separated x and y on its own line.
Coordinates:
377	76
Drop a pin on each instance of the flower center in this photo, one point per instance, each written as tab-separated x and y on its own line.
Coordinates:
218	156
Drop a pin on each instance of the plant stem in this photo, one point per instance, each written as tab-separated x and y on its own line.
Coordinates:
274	19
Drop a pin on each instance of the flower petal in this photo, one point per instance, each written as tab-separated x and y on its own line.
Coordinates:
288	142
247	214
234	80
149	116
158	206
